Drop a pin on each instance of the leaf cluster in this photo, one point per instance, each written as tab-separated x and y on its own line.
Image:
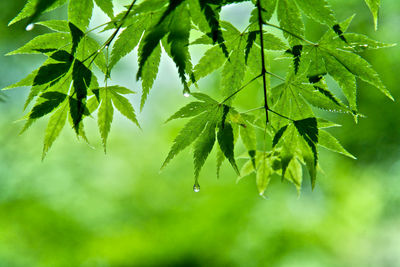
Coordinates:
66	88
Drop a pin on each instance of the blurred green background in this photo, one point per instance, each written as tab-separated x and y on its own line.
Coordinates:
83	208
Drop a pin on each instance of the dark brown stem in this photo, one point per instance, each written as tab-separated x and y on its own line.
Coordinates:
263	70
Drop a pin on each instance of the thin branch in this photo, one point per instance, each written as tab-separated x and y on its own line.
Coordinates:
263	70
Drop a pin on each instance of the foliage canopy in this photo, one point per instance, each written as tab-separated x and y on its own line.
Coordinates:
66	88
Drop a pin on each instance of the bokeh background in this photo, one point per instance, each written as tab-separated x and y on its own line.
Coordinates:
83	208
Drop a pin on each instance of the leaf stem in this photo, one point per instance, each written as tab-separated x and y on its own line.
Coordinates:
98	26
241	88
263	70
280	115
112	37
288	32
251	110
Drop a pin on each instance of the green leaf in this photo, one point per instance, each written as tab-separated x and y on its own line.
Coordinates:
312	62
51	72
82	77
220	160
197	16
233	73
251	37
77	35
226	143
318	95
374	8
105	115
290	20
249	139
90	46
203	147
49	41
189	133
326	140
55	25
47	103
267	9
271	42
204	98
178	39
308	130
27	81
92	104
106	6
211	14
359	67
35	90
124	106
290	104
127	41
34	8
296	51
294	173
80	13
247	169
190	110
344	78
322	123
151	40
361	42
172	7
149	73
338	29
120	89
248	136
318	10
55	125
264	173
212	60
149	6
286	142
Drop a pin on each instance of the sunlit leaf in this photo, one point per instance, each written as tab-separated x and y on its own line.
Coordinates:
34	8
105	115
80	13
226	143
55	125
374	8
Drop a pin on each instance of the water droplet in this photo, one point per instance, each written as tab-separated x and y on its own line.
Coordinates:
98	51
29	27
196	188
186	94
